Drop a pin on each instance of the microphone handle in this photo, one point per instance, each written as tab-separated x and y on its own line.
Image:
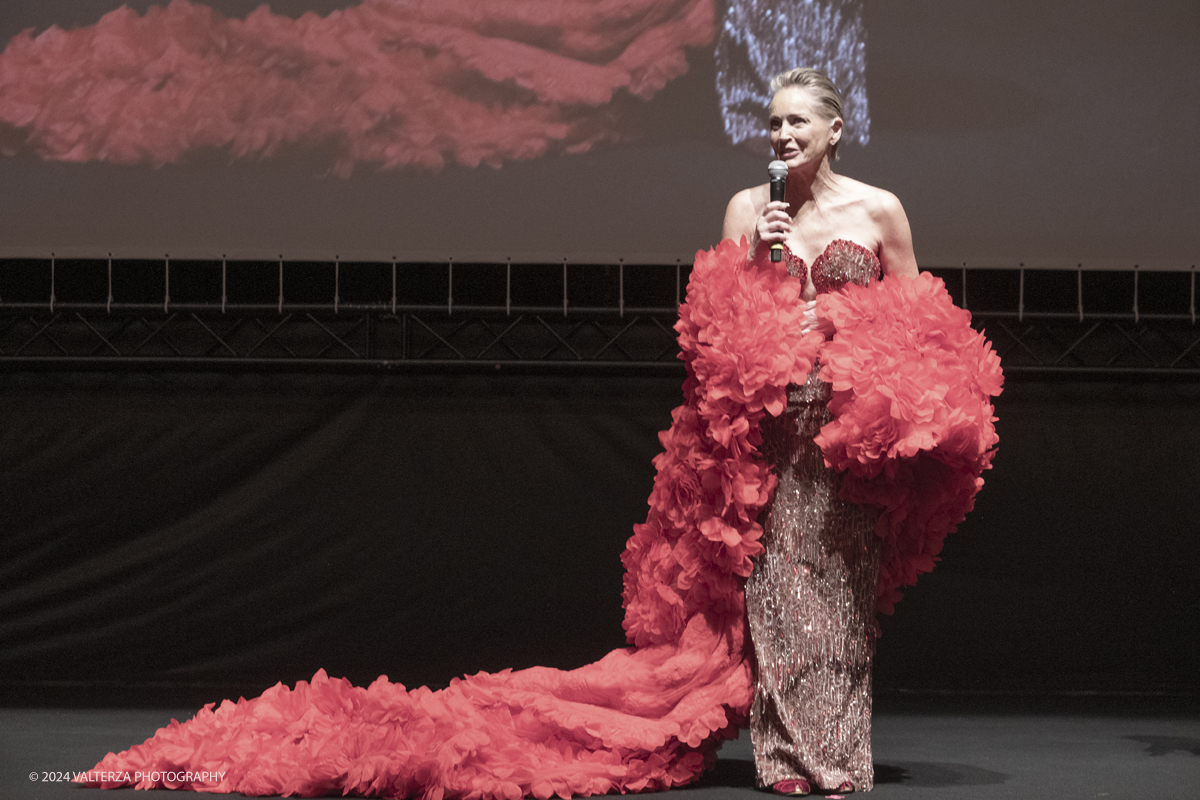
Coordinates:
778	192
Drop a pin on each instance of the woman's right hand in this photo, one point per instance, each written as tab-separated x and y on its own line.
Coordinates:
772	226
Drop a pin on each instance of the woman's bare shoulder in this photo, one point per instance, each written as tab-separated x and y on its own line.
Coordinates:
880	204
876	201
887	217
743	210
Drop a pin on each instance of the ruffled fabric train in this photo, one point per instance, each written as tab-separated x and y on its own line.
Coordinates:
914	430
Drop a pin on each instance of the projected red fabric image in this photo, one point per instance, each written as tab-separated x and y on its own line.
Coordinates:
383	84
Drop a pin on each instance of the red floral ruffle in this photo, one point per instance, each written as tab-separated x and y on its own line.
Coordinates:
739	333
913	431
913	428
637	719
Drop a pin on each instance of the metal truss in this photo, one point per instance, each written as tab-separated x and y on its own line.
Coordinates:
1092	338
619	318
348	317
1100	344
349	339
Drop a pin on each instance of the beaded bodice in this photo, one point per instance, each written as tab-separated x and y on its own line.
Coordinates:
842	262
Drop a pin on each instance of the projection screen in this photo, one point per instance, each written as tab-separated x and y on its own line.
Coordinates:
1021	133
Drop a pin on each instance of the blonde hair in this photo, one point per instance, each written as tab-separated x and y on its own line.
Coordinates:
829	99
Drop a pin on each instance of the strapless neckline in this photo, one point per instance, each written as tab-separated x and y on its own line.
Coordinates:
841	262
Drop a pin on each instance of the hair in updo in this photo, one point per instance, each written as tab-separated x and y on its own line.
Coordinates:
829	99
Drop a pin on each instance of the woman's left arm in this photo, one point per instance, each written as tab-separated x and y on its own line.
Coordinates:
895	237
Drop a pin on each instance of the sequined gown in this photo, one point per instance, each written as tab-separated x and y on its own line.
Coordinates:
811	599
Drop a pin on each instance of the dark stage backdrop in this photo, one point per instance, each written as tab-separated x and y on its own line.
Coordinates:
183	529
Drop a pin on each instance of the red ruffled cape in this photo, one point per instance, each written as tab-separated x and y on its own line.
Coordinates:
913	430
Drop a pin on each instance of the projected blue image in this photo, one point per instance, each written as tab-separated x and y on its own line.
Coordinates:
759	40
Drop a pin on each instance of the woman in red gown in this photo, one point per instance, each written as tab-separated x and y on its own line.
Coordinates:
811	599
874	462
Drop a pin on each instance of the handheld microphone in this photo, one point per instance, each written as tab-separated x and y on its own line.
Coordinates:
778	171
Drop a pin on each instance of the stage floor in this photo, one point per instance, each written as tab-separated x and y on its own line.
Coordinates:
924	747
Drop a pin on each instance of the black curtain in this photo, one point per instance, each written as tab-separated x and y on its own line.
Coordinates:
178	530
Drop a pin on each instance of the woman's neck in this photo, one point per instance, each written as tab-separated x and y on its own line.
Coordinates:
809	188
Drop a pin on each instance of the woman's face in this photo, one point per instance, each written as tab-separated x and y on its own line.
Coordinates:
800	135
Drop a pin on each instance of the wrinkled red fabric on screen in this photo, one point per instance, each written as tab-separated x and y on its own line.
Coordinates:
384	83
914	431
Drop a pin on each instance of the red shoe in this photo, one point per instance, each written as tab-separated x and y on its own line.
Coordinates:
797	787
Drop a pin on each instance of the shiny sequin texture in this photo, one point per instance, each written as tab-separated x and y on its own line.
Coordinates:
811	599
842	262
